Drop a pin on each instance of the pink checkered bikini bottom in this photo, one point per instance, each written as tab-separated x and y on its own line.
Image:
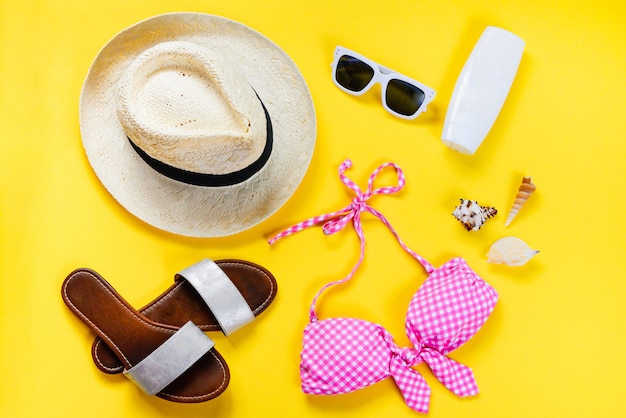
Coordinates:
341	355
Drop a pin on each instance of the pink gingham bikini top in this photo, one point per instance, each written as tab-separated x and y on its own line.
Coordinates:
341	355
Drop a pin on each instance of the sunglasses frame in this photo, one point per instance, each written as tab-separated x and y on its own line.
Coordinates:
382	75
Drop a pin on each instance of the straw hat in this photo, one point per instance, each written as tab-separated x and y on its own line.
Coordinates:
197	124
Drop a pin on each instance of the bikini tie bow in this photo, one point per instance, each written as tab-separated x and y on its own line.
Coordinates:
458	378
336	221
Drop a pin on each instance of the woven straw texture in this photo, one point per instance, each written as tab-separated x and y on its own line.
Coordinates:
176	207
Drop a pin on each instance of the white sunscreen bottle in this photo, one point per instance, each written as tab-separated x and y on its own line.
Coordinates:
481	89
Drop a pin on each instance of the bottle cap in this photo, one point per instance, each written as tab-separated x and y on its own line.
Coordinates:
461	138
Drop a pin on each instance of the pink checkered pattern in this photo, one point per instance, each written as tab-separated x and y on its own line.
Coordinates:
341	355
336	221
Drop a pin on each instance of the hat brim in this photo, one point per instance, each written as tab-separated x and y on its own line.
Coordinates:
180	208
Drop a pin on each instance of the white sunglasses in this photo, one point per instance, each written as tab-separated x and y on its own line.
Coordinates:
401	96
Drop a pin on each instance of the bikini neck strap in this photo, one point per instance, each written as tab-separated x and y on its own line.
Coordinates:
336	221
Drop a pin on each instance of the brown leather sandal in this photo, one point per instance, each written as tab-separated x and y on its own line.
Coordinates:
177	364
210	294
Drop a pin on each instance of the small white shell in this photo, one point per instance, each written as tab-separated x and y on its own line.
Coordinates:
472	215
511	251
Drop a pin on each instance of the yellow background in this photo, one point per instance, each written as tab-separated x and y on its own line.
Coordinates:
553	347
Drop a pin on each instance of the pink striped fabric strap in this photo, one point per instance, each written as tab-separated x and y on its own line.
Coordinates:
336	221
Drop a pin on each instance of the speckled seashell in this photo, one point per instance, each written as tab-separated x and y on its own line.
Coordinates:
472	215
525	190
511	251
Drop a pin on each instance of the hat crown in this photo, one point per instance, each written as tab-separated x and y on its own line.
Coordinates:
191	109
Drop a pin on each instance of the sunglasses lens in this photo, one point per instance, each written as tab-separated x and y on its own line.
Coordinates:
353	74
403	98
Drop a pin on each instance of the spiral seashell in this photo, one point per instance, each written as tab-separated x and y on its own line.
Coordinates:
472	215
525	190
511	251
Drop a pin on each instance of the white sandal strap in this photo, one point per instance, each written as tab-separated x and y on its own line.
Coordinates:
177	354
220	294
